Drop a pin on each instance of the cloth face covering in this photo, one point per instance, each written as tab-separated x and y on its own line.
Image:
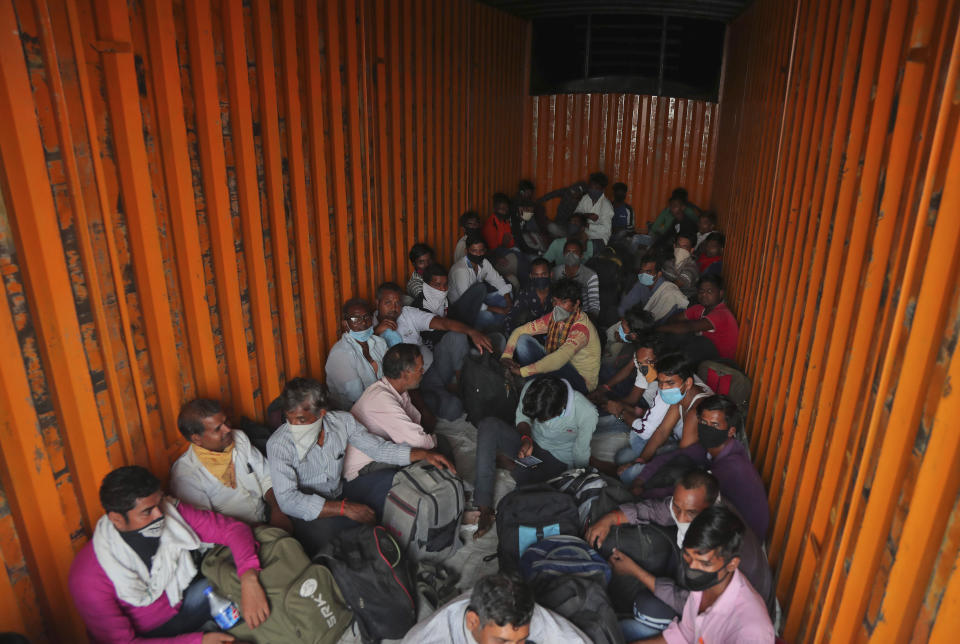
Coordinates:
681	527
435	300
219	464
711	437
305	436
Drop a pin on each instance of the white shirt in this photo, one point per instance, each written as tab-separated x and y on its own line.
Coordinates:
448	626
410	324
462	277
599	229
649	423
649	388
190	481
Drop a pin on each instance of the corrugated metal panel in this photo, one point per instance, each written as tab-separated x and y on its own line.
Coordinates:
839	182
653	144
190	189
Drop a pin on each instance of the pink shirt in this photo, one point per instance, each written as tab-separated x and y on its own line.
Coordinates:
725	331
390	415
739	616
110	619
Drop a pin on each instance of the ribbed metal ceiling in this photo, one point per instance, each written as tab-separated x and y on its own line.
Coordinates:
723	10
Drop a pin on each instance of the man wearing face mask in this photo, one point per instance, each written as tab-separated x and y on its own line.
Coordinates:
573	268
469	224
353	363
718	449
533	301
397	324
707	329
571	349
576	229
723	606
570	197
306	457
661	297
662	598
478	294
137	578
598	210
681	269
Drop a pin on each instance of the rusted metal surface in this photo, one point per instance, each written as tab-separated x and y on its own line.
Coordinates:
651	143
837	183
190	190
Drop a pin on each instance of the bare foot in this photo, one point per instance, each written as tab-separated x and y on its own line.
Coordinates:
485	522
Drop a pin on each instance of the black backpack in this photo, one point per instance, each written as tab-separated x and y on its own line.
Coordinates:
653	547
486	390
582	601
373	576
527	515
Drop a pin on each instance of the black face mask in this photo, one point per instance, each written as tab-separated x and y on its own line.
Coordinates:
475	259
698	580
574	229
540	283
711	437
644	369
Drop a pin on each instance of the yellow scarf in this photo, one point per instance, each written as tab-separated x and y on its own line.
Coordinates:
220	464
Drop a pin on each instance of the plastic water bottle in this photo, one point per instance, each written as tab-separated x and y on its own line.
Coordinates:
223	611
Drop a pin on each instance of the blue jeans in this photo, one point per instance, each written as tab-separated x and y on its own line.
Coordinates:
487	319
194	612
630	454
529	350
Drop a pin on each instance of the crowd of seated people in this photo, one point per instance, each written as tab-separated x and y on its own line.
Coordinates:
530	287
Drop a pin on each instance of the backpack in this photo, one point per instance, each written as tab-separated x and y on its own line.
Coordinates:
726	380
423	510
306	605
582	601
528	514
486	390
653	547
608	498
670	472
564	554
369	567
585	485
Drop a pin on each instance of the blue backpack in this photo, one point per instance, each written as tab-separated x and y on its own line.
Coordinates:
564	555
527	515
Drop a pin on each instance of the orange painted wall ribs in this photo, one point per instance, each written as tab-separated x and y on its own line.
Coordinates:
191	188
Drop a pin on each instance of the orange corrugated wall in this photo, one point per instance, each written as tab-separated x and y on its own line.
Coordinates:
838	183
651	143
190	189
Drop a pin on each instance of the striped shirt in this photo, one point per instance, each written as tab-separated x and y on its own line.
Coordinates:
302	487
589	286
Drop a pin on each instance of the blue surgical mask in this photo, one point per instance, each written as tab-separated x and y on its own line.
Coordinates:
623	336
362	336
392	337
671	396
645	278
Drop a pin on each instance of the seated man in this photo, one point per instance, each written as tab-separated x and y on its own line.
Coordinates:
643	393
406	324
533	301
709	320
469	223
570	197
681	269
673	416
221	471
623	217
500	231
306	464
571	349
421	256
718	450
554	423
478	294
574	269
706	224
661	297
576	229
500	610
663	597
598	210
722	606
137	578
678	215
353	363
386	409
710	257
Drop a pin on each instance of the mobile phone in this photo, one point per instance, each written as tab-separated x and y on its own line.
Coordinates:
528	461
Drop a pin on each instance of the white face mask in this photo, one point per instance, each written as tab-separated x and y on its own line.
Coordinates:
526	215
153	530
680	255
305	436
435	300
681	527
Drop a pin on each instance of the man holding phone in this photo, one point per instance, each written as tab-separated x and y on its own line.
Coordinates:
554	425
